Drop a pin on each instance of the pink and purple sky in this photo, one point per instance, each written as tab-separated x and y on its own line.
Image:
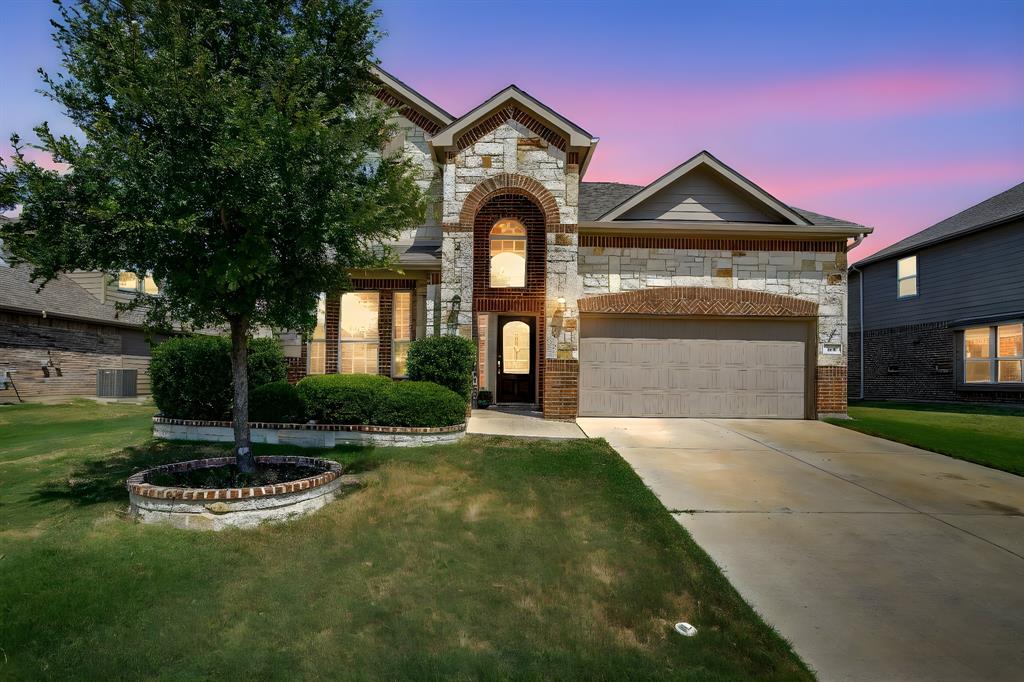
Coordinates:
891	114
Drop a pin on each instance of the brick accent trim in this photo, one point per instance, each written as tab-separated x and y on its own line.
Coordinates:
514	113
389	98
561	389
496	304
699	301
507	183
830	393
713	243
351	428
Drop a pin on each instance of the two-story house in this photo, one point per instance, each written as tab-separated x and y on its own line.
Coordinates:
698	295
937	316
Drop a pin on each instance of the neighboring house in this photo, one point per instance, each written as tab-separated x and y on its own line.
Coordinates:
698	295
54	341
943	308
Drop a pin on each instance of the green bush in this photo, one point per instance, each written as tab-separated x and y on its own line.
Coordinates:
190	376
419	403
445	360
266	362
343	398
278	401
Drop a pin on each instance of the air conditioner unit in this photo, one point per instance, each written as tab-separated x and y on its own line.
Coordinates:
117	383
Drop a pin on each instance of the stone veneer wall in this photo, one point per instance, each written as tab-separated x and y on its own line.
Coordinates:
511	149
812	271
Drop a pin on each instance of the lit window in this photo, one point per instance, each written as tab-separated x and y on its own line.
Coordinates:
978	355
128	281
401	333
508	254
359	339
1010	349
515	348
994	354
906	277
317	344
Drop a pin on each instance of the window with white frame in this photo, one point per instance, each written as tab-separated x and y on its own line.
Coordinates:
359	339
401	335
906	277
317	354
994	354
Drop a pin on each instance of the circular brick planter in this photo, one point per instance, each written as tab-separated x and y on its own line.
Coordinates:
216	509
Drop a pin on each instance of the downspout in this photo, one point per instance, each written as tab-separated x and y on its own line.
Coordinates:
860	313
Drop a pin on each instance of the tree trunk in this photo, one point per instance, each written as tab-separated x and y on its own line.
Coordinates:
244	459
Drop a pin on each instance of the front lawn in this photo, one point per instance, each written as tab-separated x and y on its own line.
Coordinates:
988	435
495	558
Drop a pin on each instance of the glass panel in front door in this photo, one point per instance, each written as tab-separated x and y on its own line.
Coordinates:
515	337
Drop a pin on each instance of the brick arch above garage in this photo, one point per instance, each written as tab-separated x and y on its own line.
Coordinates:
699	301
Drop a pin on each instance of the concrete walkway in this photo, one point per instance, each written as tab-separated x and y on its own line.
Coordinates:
501	421
878	561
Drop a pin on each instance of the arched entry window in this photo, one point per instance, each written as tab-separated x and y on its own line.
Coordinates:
508	254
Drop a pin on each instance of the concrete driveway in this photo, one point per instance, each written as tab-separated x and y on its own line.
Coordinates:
878	561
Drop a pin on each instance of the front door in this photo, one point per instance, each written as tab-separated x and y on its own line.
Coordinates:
517	362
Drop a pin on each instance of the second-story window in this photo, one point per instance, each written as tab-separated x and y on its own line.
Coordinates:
129	281
508	254
906	277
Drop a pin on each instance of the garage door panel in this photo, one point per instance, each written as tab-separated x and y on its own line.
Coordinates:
688	368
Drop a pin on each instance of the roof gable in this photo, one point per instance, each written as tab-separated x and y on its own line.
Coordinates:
410	103
703	189
995	210
512	100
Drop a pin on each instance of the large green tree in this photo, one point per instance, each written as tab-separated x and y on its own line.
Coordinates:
231	148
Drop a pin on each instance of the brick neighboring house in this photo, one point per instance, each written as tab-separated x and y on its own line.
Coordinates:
53	341
943	310
697	295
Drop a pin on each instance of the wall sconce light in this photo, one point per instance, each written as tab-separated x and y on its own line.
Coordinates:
453	315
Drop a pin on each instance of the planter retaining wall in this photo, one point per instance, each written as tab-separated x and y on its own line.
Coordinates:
309	435
220	508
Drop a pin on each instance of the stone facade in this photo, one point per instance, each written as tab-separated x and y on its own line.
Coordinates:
512	157
818	276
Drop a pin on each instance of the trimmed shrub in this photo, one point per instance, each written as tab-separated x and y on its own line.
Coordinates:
419	403
266	362
277	401
445	360
191	375
343	398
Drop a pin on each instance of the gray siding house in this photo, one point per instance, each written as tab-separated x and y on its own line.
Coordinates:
938	316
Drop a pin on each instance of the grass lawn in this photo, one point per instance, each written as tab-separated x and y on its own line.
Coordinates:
493	558
993	436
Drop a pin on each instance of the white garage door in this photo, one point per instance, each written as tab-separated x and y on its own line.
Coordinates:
687	367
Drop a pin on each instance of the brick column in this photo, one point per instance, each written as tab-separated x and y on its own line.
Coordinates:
831	391
561	389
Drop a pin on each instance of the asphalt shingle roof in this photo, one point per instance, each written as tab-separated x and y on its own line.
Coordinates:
61	297
992	211
597	198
